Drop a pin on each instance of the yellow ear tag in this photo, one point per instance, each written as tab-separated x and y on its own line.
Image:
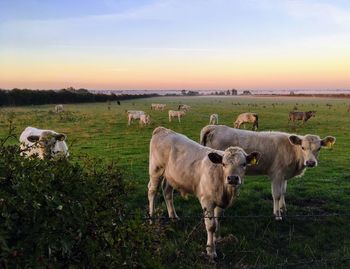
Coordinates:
253	161
329	144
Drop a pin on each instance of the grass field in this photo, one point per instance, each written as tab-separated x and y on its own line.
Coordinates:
296	242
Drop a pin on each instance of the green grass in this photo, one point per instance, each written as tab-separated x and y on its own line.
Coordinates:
94	130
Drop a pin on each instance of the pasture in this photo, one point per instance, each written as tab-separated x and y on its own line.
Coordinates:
314	234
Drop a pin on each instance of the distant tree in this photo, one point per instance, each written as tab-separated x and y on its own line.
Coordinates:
183	92
291	93
247	92
234	92
228	92
192	93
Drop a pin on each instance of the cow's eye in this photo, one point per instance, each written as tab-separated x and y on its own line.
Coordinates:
302	148
243	165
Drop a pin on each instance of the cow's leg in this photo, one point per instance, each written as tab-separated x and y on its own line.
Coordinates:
217	215
210	225
153	186
282	203
169	118
179	118
276	187
168	191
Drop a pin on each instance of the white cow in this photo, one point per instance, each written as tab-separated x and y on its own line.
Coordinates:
145	119
134	115
59	108
284	155
184	107
214	119
158	106
213	176
176	113
45	144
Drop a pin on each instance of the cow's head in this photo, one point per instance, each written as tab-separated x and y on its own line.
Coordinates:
311	113
148	119
234	162
51	143
310	146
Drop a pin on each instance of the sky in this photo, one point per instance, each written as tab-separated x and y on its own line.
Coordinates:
175	44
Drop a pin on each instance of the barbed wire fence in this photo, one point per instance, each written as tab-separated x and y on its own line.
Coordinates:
198	219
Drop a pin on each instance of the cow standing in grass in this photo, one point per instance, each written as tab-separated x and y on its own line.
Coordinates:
213	176
145	119
214	119
134	115
247	118
184	107
158	106
176	113
303	116
59	108
45	144
284	155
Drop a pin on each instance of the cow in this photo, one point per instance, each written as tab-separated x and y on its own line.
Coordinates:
214	119
184	107
45	144
213	176
59	108
134	115
247	118
284	155
158	106
145	119
303	116
176	113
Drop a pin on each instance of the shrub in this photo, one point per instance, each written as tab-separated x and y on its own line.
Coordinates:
63	214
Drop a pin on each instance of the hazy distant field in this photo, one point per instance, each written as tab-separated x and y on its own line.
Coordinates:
94	130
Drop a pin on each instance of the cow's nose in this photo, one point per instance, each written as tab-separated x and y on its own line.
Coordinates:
233	180
310	163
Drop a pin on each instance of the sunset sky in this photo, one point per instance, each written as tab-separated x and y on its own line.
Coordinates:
168	44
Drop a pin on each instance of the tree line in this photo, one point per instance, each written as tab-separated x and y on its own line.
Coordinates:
24	97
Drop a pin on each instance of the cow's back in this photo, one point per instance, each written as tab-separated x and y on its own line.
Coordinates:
274	146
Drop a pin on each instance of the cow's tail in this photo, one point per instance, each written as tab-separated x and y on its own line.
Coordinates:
256	120
205	134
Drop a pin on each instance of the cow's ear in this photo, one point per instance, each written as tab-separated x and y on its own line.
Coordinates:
328	142
253	158
295	140
60	137
33	138
215	157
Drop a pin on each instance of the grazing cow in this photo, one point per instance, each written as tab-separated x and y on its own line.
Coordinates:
158	106
145	119
304	116
45	144
214	119
134	115
284	155
247	118
176	113
184	107
58	108
213	176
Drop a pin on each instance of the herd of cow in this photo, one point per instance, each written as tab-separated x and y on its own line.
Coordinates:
212	169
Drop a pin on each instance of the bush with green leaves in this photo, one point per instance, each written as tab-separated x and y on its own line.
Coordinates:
58	214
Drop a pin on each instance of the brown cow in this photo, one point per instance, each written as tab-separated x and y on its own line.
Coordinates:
304	116
213	176
284	155
247	118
